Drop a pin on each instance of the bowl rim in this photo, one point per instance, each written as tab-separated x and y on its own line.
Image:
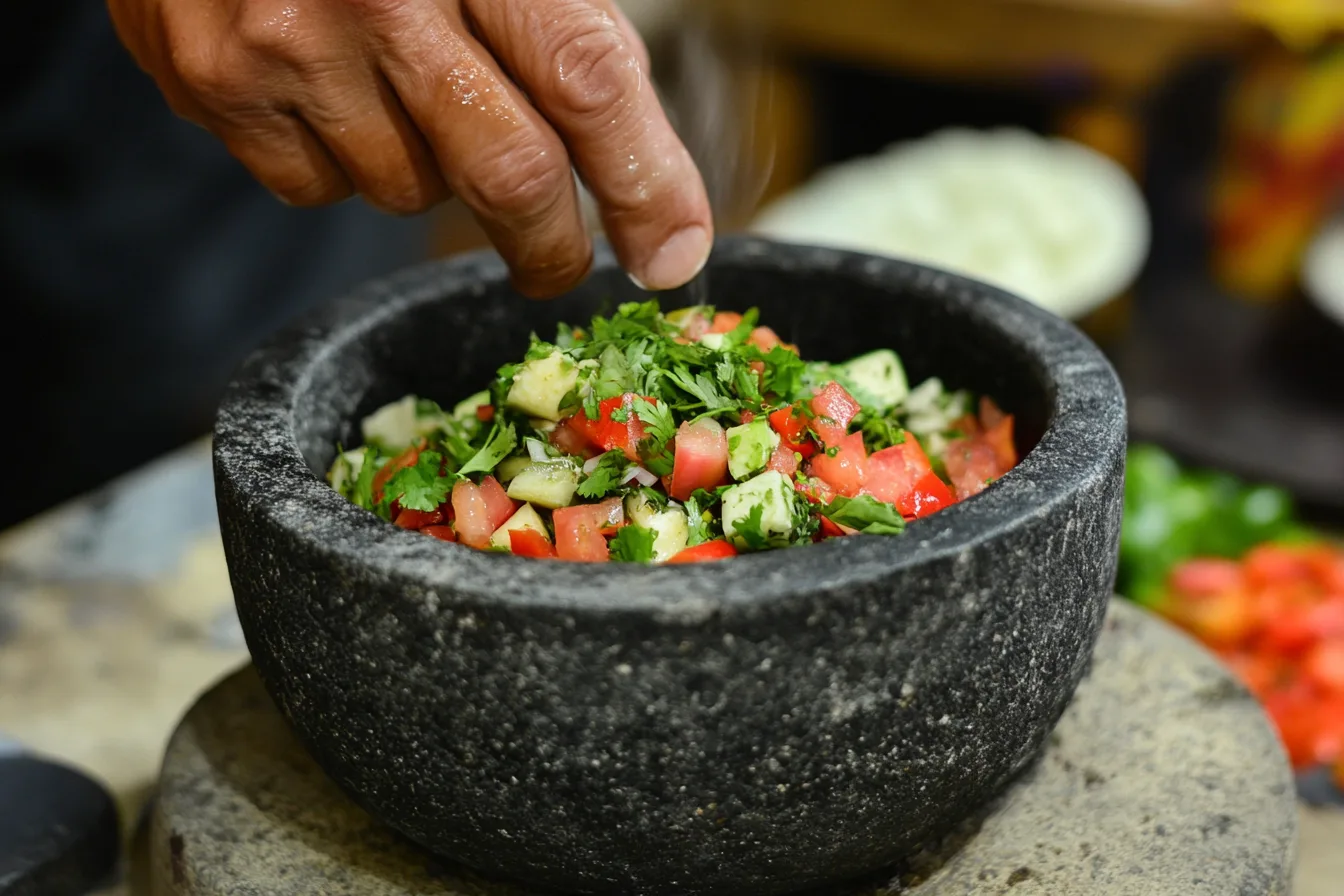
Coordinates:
255	445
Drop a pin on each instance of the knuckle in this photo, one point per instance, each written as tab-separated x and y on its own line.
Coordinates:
523	182
406	199
594	68
206	72
312	192
546	279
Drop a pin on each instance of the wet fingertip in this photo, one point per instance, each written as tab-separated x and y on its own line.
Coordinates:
676	262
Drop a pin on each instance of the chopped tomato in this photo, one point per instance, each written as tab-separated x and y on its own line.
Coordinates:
612	434
695	326
1206	576
930	494
999	438
702	553
833	408
746	417
990	413
1271	563
830	528
1298	626
842	466
815	490
764	338
498	505
407	458
418	519
784	460
1323	666
791	424
471	515
1312	730
725	322
570	437
1259	672
578	532
971	465
700	458
485	412
530	543
442	533
894	472
1225	619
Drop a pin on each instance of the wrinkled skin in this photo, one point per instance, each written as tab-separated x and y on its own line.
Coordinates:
408	102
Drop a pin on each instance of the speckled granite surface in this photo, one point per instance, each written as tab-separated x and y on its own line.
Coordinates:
115	613
1163	779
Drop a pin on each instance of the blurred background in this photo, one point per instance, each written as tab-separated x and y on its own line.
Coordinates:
1167	173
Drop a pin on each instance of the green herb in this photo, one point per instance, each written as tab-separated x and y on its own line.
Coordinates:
697	522
502	440
700	386
866	514
422	486
879	432
363	490
632	544
783	372
749	529
605	477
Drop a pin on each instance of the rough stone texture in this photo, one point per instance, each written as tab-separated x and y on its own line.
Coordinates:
784	719
1162	779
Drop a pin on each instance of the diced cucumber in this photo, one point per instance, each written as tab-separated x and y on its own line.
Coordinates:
345	470
391	428
671	532
541	384
713	341
749	447
771	492
880	376
466	408
525	517
549	483
510	467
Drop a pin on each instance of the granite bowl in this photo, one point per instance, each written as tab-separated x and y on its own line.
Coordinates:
769	724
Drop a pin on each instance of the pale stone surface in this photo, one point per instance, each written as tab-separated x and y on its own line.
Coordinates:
1162	779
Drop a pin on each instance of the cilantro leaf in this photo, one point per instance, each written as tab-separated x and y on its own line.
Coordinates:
632	544
362	494
866	514
502	440
701	386
879	432
614	376
660	428
749	530
420	487
697	522
606	476
784	372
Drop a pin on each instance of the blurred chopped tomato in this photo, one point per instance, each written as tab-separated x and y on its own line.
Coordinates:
1276	618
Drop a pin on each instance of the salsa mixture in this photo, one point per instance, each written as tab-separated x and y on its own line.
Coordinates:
681	437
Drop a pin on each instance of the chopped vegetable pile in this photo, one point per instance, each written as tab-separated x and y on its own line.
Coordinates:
1172	514
677	438
1276	617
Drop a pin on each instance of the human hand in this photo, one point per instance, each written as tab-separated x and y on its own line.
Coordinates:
407	102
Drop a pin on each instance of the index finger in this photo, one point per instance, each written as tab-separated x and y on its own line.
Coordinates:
586	74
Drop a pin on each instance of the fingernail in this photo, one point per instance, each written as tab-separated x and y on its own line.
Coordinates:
677	260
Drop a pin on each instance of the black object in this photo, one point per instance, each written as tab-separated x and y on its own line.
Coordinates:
1250	389
59	833
762	725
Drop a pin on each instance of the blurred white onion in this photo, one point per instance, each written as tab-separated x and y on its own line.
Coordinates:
1048	219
